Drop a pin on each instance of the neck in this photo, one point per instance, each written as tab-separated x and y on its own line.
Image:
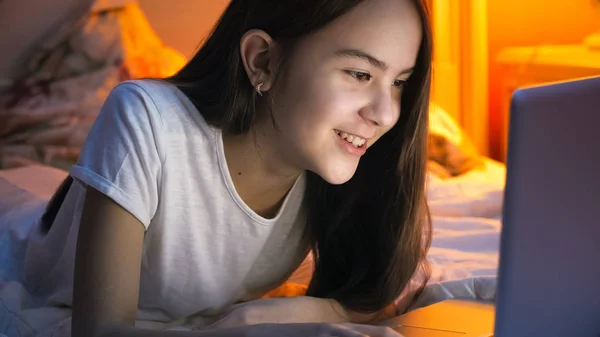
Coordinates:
258	170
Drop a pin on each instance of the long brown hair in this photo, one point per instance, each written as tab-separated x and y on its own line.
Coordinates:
370	235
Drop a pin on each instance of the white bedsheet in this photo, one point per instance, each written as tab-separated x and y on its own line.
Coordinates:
464	260
23	196
477	193
466	213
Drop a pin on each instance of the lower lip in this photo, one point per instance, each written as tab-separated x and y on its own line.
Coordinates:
353	150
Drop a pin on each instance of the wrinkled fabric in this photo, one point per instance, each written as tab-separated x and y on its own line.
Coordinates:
46	116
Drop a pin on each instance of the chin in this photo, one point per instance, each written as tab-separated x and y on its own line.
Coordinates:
337	174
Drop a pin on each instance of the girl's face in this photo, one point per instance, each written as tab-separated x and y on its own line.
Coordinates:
342	87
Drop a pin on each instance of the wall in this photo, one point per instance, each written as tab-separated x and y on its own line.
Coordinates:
532	22
183	24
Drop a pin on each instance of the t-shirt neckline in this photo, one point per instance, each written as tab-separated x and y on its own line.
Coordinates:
296	188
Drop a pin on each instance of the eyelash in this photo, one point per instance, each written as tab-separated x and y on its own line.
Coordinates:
360	76
402	83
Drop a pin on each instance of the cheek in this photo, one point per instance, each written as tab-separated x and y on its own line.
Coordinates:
319	106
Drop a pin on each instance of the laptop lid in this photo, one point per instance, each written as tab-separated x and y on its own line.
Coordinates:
549	272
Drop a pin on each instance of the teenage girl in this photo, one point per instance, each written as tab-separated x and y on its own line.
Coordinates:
299	125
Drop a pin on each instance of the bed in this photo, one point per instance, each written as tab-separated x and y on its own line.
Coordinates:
43	128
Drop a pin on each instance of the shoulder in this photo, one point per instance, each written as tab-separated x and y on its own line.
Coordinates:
155	88
163	99
162	94
150	92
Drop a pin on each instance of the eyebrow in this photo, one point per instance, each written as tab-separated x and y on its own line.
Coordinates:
369	58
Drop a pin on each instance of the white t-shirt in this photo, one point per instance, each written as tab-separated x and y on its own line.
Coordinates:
151	151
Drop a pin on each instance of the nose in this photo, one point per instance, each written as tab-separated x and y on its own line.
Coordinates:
383	110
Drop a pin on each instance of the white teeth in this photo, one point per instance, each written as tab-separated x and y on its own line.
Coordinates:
352	139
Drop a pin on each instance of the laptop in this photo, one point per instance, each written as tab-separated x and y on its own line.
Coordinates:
549	268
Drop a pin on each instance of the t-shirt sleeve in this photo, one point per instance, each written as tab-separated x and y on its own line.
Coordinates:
121	156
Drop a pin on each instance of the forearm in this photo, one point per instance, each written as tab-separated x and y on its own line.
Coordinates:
379	316
130	331
299	309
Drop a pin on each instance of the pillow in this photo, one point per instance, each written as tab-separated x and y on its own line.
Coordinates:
47	116
437	170
448	145
35	20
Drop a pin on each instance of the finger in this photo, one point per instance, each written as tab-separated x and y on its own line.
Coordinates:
305	329
343	333
374	331
229	321
343	330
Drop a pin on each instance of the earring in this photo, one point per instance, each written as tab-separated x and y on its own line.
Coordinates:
258	88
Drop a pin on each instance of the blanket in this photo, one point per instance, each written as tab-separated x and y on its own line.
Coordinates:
46	116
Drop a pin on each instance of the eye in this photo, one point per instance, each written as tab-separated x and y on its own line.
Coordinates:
359	75
399	83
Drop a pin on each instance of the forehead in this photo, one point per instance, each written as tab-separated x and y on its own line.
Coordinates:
387	29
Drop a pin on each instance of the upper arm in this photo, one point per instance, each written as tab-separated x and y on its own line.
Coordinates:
121	166
122	155
107	266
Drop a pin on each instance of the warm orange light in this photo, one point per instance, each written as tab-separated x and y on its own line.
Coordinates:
530	23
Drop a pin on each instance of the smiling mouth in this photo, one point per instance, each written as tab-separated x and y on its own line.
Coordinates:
354	140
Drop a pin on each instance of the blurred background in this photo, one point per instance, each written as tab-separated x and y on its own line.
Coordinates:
487	33
485	49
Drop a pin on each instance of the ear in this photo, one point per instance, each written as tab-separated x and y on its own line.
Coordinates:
259	55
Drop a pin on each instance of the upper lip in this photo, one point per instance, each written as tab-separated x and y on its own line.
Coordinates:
355	134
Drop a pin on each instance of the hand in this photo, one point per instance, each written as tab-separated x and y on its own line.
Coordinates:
301	309
318	330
